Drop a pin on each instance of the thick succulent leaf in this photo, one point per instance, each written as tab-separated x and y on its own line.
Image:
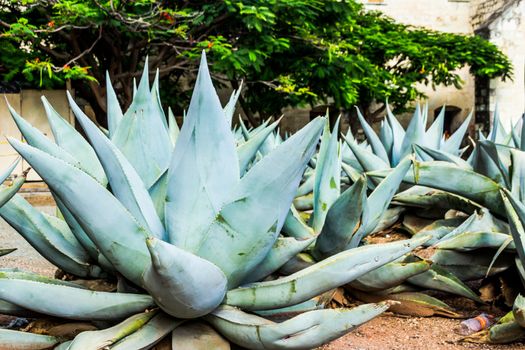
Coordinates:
505	333
495	126
114	112
327	176
125	183
7	192
229	109
368	160
439	229
63	230
96	210
415	133
521	143
46	239
373	139
516	216
73	143
204	169
247	150
483	163
478	222
63	346
424	114
427	153
197	336
388	218
379	200
474	265
306	187
294	226
519	267
82	236
398	136
440	279
244	130
173	128
316	303
434	134
297	263
342	221
518	309
474	240
5	174
17	340
182	284
497	133
15	310
515	133
411	303
330	273
452	144
282	251
496	160
306	331
249	224
104	338
69	302
448	177
149	334
517	175
351	172
157	192
142	135
31	276
386	137
304	203
155	96
424	197
37	139
389	275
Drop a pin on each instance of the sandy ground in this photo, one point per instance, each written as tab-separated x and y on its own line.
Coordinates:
400	333
384	333
25	257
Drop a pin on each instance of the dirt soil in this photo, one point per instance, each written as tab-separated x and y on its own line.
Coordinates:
388	332
391	332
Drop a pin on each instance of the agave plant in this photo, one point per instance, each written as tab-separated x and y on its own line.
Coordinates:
342	220
187	220
394	142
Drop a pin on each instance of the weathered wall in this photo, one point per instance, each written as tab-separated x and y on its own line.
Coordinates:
508	33
28	104
483	10
442	15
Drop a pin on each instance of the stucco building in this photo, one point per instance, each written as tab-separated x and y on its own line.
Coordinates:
500	21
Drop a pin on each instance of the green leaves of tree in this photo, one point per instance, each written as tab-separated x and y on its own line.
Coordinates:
289	52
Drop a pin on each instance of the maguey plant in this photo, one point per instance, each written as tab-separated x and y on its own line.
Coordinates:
189	223
394	142
488	187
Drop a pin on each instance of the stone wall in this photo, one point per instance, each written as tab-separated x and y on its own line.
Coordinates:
485	10
442	15
507	31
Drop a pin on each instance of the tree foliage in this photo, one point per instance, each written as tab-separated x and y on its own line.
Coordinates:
288	52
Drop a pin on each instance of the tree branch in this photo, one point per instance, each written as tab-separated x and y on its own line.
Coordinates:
85	52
